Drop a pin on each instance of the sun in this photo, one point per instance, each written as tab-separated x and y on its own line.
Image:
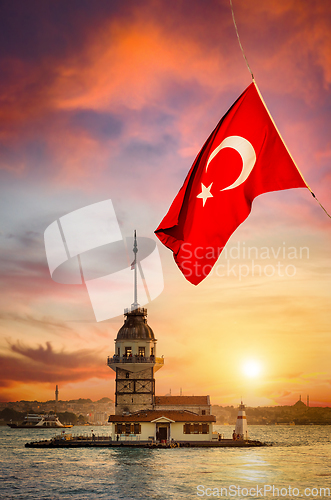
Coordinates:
251	368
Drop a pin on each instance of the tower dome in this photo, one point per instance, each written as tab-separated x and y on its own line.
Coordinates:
135	326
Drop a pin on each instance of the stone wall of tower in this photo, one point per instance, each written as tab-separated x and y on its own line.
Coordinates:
134	391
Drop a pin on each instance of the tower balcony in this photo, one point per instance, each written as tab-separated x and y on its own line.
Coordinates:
134	363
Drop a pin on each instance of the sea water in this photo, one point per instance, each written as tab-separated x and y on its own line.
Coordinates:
297	465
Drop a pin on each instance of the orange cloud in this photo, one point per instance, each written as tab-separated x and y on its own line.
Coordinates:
122	113
44	365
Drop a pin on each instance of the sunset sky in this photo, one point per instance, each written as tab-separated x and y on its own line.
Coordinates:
107	99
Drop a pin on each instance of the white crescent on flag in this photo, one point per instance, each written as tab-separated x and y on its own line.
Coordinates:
246	151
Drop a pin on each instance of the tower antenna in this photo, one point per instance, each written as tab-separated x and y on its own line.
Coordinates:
135	304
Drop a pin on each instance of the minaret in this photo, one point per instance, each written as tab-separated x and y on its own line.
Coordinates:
135	360
241	424
56	397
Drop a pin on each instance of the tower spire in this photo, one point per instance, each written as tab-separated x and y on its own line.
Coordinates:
135	304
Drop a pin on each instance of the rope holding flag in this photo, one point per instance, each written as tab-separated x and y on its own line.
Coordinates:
241	47
320	204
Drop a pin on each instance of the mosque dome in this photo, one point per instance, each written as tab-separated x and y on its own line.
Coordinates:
135	326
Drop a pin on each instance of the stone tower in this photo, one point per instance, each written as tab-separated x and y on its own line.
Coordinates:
135	361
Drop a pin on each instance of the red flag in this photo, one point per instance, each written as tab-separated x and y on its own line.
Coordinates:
243	157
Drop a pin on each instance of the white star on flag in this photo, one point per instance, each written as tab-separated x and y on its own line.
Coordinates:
205	193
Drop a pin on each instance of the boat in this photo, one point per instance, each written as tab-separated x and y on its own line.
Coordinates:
34	421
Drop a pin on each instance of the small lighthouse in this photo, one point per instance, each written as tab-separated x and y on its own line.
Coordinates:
241	424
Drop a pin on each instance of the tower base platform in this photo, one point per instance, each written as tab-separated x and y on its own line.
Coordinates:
105	441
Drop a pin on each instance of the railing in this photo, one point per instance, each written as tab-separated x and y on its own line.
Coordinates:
137	310
134	359
128	437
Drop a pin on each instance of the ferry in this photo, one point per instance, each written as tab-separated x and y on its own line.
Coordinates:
35	421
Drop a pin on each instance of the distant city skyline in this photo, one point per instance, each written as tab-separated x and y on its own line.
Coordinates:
307	399
97	412
113	100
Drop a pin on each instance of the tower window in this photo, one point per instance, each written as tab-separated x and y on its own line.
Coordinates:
127	375
128	352
203	412
152	351
141	351
118	351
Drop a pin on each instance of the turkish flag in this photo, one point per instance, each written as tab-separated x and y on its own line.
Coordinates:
242	158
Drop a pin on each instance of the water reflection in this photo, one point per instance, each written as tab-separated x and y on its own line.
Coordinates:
300	457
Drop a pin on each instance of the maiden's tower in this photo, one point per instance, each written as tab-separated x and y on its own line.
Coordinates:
139	414
135	360
135	363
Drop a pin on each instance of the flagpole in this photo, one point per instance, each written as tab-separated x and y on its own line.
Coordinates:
135	251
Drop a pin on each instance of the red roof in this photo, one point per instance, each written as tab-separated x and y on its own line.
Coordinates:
182	400
149	415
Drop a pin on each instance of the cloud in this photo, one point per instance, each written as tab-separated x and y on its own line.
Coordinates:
44	323
114	100
48	356
97	76
25	26
43	364
96	124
